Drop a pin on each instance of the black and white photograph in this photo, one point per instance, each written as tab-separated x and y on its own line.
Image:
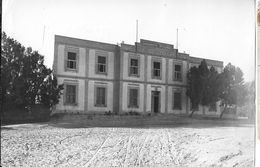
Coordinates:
130	83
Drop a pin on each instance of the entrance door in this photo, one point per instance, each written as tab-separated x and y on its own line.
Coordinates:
155	101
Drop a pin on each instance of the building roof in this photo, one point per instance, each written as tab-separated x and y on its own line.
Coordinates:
143	47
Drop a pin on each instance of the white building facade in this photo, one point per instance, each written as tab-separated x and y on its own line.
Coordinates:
148	77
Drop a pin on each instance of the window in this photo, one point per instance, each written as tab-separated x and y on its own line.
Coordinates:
134	71
133	98
70	97
156	69
177	100
213	107
71	60
196	108
177	72
101	64
101	96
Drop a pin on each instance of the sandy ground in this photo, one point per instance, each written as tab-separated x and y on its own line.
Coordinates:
44	145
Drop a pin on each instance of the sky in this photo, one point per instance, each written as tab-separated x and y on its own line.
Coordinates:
214	29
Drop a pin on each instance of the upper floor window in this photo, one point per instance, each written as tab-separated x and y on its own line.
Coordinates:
134	67
156	69
133	97
100	99
71	60
71	94
177	100
101	64
177	72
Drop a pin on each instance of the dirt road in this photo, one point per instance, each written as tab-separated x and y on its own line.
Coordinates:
43	145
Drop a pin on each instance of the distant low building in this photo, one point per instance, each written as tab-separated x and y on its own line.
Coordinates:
148	77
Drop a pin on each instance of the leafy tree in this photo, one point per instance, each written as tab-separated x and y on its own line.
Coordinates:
197	85
194	89
204	74
213	88
203	85
233	88
25	79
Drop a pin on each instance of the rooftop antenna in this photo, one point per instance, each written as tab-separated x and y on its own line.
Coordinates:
177	39
177	36
43	35
136	40
136	30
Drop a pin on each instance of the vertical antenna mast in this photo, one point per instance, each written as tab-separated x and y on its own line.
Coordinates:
177	40
43	35
136	30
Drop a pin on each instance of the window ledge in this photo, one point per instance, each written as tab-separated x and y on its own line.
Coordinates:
71	70
101	73
133	75
157	78
178	80
98	105
71	104
133	106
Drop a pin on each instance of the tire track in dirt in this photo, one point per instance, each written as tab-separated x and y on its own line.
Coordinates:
171	147
66	159
95	154
127	148
140	153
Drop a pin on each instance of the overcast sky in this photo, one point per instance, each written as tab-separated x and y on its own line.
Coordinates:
215	29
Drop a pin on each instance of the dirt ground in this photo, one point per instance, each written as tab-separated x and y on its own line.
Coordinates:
47	145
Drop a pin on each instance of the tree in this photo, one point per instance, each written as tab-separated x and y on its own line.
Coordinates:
213	88
193	89
203	85
233	88
25	79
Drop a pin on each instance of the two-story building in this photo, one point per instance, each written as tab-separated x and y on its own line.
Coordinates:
148	77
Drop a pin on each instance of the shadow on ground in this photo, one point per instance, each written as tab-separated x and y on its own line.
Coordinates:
79	121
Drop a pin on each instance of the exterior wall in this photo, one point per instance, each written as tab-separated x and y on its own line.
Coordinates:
91	96
149	69
171	64
61	61
117	80
92	64
170	104
151	88
125	66
61	107
125	97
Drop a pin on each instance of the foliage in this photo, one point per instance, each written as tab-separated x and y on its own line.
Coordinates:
233	88
203	85
207	86
193	90
25	80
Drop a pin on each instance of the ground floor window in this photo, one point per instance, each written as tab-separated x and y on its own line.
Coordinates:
71	94
195	108
100	96
213	107
133	97
177	100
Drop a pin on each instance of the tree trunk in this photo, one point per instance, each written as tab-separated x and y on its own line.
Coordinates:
222	113
192	111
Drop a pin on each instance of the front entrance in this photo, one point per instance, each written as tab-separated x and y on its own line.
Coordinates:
155	101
